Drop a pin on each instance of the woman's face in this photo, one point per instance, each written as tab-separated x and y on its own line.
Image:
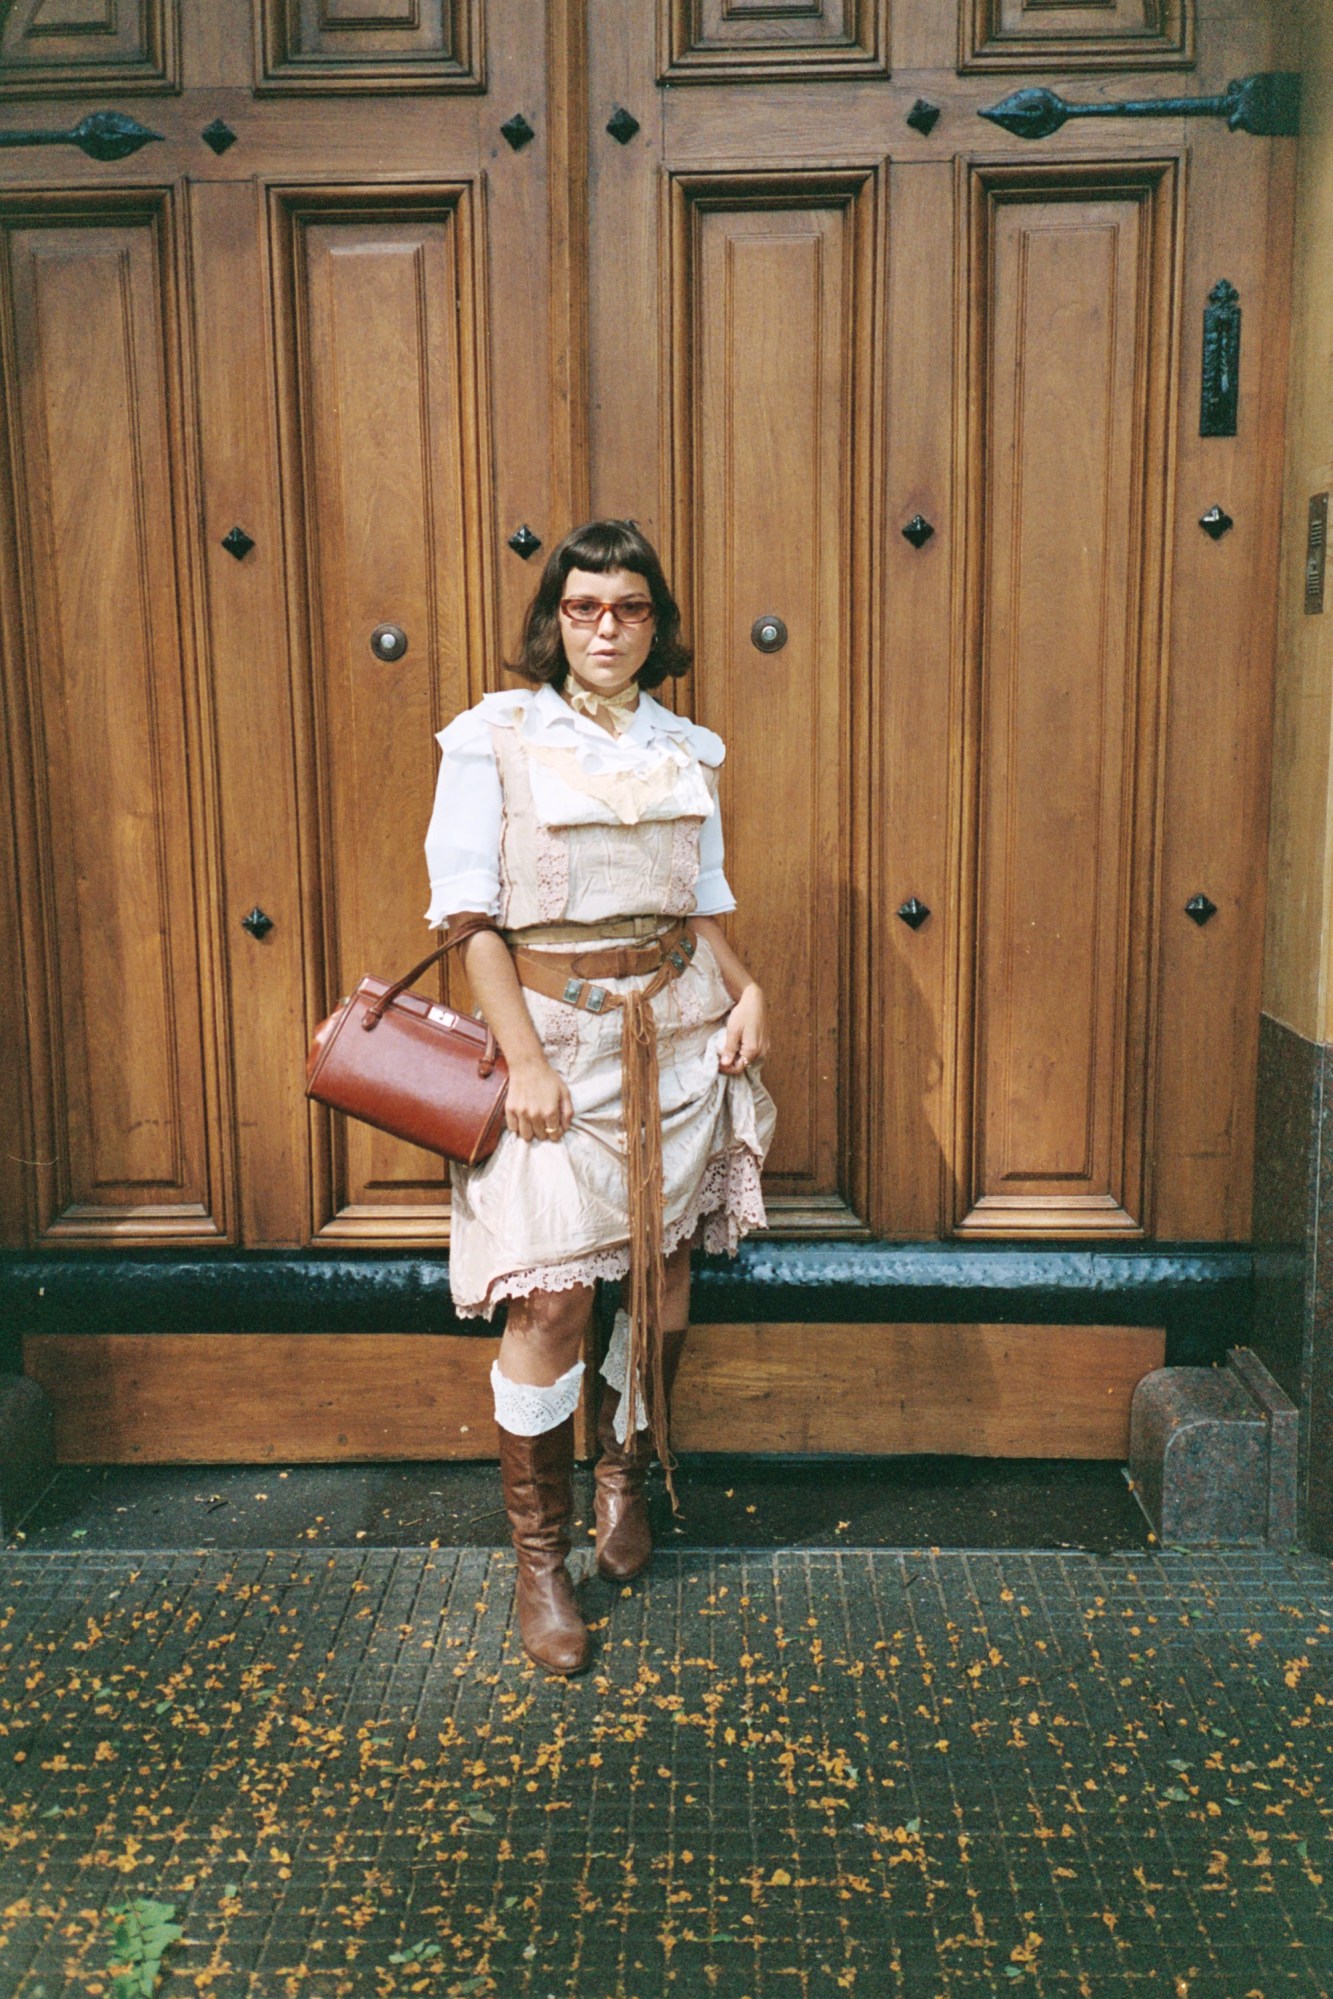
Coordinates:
605	656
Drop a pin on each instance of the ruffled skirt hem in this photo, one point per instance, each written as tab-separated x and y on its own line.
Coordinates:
728	1201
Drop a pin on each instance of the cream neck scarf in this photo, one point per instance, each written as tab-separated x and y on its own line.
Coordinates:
613	711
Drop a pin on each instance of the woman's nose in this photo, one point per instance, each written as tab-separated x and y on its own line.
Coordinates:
608	618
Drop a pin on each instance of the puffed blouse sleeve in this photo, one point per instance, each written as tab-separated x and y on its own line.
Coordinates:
463	838
712	891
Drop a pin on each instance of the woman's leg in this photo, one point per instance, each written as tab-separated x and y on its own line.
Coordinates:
624	1536
536	1380
543	1335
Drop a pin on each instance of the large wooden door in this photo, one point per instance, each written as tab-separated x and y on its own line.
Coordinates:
279	375
930	393
391	298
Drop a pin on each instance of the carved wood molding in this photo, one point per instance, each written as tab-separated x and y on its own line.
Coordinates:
1075	35
1062	643
48	49
108	711
728	41
769	296
313	45
366	273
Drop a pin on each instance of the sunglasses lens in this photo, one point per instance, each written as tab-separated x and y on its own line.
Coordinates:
587	610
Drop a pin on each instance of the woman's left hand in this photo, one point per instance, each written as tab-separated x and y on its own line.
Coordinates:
747	1032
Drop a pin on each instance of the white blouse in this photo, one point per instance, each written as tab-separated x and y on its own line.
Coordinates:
581	775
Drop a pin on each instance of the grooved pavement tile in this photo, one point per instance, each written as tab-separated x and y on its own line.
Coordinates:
881	1771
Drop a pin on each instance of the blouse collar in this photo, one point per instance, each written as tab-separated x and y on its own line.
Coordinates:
649	724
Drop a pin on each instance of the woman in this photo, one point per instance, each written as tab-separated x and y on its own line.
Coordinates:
575	851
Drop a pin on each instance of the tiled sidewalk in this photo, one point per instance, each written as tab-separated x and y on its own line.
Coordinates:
887	1773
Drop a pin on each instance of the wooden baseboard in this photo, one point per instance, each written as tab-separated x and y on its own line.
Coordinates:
252	1398
978	1391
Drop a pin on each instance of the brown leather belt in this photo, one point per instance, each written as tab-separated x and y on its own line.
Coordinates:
572	976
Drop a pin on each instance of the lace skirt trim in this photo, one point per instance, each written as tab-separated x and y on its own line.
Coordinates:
729	1202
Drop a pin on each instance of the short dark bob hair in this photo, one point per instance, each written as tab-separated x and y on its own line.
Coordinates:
600	546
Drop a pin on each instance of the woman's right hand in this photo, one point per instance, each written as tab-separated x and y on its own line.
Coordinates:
537	1103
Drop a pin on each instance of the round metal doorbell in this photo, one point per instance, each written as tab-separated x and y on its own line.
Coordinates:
768	634
388	641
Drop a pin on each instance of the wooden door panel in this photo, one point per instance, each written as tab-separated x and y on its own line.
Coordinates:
382	419
126	1099
86	46
254	665
1224	608
717	41
369	45
761	421
913	721
1077	34
1071	280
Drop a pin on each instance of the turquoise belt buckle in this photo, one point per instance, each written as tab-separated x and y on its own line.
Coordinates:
573	987
596	999
678	960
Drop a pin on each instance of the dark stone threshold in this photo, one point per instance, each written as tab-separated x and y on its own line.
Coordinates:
1202	1294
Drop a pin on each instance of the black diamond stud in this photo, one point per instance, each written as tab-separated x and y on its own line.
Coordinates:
622	125
918	530
524	542
923	116
257	923
237	543
218	135
913	913
518	131
1215	522
1200	909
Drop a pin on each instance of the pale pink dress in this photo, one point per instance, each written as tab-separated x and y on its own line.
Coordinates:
541	817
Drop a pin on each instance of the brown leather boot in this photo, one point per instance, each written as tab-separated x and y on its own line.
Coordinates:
624	1538
536	1474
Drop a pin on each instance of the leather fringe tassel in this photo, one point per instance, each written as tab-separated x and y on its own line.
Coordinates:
643	1162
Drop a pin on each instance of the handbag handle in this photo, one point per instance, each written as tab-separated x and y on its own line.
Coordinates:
374	1013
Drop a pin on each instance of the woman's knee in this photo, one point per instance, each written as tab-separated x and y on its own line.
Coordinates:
551	1322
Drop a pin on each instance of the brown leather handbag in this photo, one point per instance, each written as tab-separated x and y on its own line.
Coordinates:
412	1067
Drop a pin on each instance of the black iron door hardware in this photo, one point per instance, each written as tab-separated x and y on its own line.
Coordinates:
238	543
1316	546
1216	522
768	634
103	135
388	641
913	912
524	542
1219	395
1266	105
1200	908
257	923
622	125
918	531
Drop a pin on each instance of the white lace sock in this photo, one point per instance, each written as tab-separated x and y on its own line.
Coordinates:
615	1373
530	1408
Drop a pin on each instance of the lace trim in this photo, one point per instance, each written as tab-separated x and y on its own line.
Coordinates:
615	1373
689	992
679	897
729	1202
558	1026
552	873
529	1408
